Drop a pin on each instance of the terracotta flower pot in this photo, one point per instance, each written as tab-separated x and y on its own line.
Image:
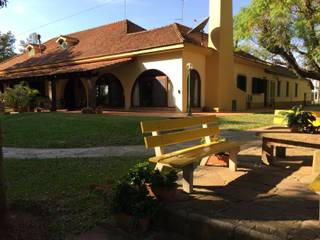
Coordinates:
165	194
294	129
218	160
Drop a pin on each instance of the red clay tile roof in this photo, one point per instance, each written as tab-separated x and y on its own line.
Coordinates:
66	69
120	37
115	38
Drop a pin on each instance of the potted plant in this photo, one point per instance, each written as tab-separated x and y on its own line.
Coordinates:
164	185
300	121
140	174
130	205
220	159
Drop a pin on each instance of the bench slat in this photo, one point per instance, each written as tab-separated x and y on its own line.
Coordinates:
171	124
315	185
179	159
179	137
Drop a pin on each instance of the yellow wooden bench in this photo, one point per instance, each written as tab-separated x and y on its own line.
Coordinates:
159	134
280	119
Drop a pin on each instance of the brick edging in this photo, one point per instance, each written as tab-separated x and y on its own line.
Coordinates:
196	226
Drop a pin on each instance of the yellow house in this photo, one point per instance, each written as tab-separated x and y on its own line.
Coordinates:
124	66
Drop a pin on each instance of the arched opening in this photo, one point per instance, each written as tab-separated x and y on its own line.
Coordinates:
151	89
38	85
109	92
195	89
74	95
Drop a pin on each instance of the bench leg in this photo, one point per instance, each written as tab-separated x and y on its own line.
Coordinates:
204	161
267	153
233	159
281	152
159	167
187	179
316	163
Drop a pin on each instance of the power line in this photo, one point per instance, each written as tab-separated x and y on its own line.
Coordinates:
63	18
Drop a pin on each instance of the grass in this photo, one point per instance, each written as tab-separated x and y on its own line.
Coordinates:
59	187
245	122
66	130
62	130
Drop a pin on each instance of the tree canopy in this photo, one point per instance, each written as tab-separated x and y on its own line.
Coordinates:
282	30
7	41
3	3
31	39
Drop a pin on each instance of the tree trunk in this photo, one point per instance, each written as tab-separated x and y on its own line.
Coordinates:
3	195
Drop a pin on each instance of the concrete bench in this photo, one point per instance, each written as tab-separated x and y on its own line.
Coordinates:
175	131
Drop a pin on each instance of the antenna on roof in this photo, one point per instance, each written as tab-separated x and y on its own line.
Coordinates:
200	29
125	9
182	12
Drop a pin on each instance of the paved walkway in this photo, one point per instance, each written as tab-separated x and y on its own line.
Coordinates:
258	202
117	151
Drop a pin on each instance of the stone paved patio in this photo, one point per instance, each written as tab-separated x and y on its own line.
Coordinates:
267	202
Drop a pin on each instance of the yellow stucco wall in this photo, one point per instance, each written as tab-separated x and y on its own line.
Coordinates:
215	93
170	63
197	57
252	70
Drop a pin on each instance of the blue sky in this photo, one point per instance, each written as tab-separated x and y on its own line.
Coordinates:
23	17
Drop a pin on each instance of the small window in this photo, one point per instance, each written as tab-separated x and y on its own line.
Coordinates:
242	83
287	89
296	90
259	85
278	88
63	45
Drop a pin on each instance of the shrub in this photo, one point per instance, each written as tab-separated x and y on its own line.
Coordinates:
132	200
299	120
88	110
140	174
42	102
164	180
19	97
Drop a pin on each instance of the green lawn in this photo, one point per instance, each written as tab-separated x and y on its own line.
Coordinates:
63	130
245	122
58	189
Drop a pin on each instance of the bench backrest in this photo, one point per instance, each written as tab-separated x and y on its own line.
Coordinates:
174	131
280	119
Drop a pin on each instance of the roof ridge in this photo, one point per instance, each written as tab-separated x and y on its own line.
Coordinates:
175	25
104	25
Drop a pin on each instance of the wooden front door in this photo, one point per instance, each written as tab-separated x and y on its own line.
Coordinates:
154	91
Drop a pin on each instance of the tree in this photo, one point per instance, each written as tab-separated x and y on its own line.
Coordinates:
7	41
19	97
32	39
3	3
3	196
283	30
3	190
